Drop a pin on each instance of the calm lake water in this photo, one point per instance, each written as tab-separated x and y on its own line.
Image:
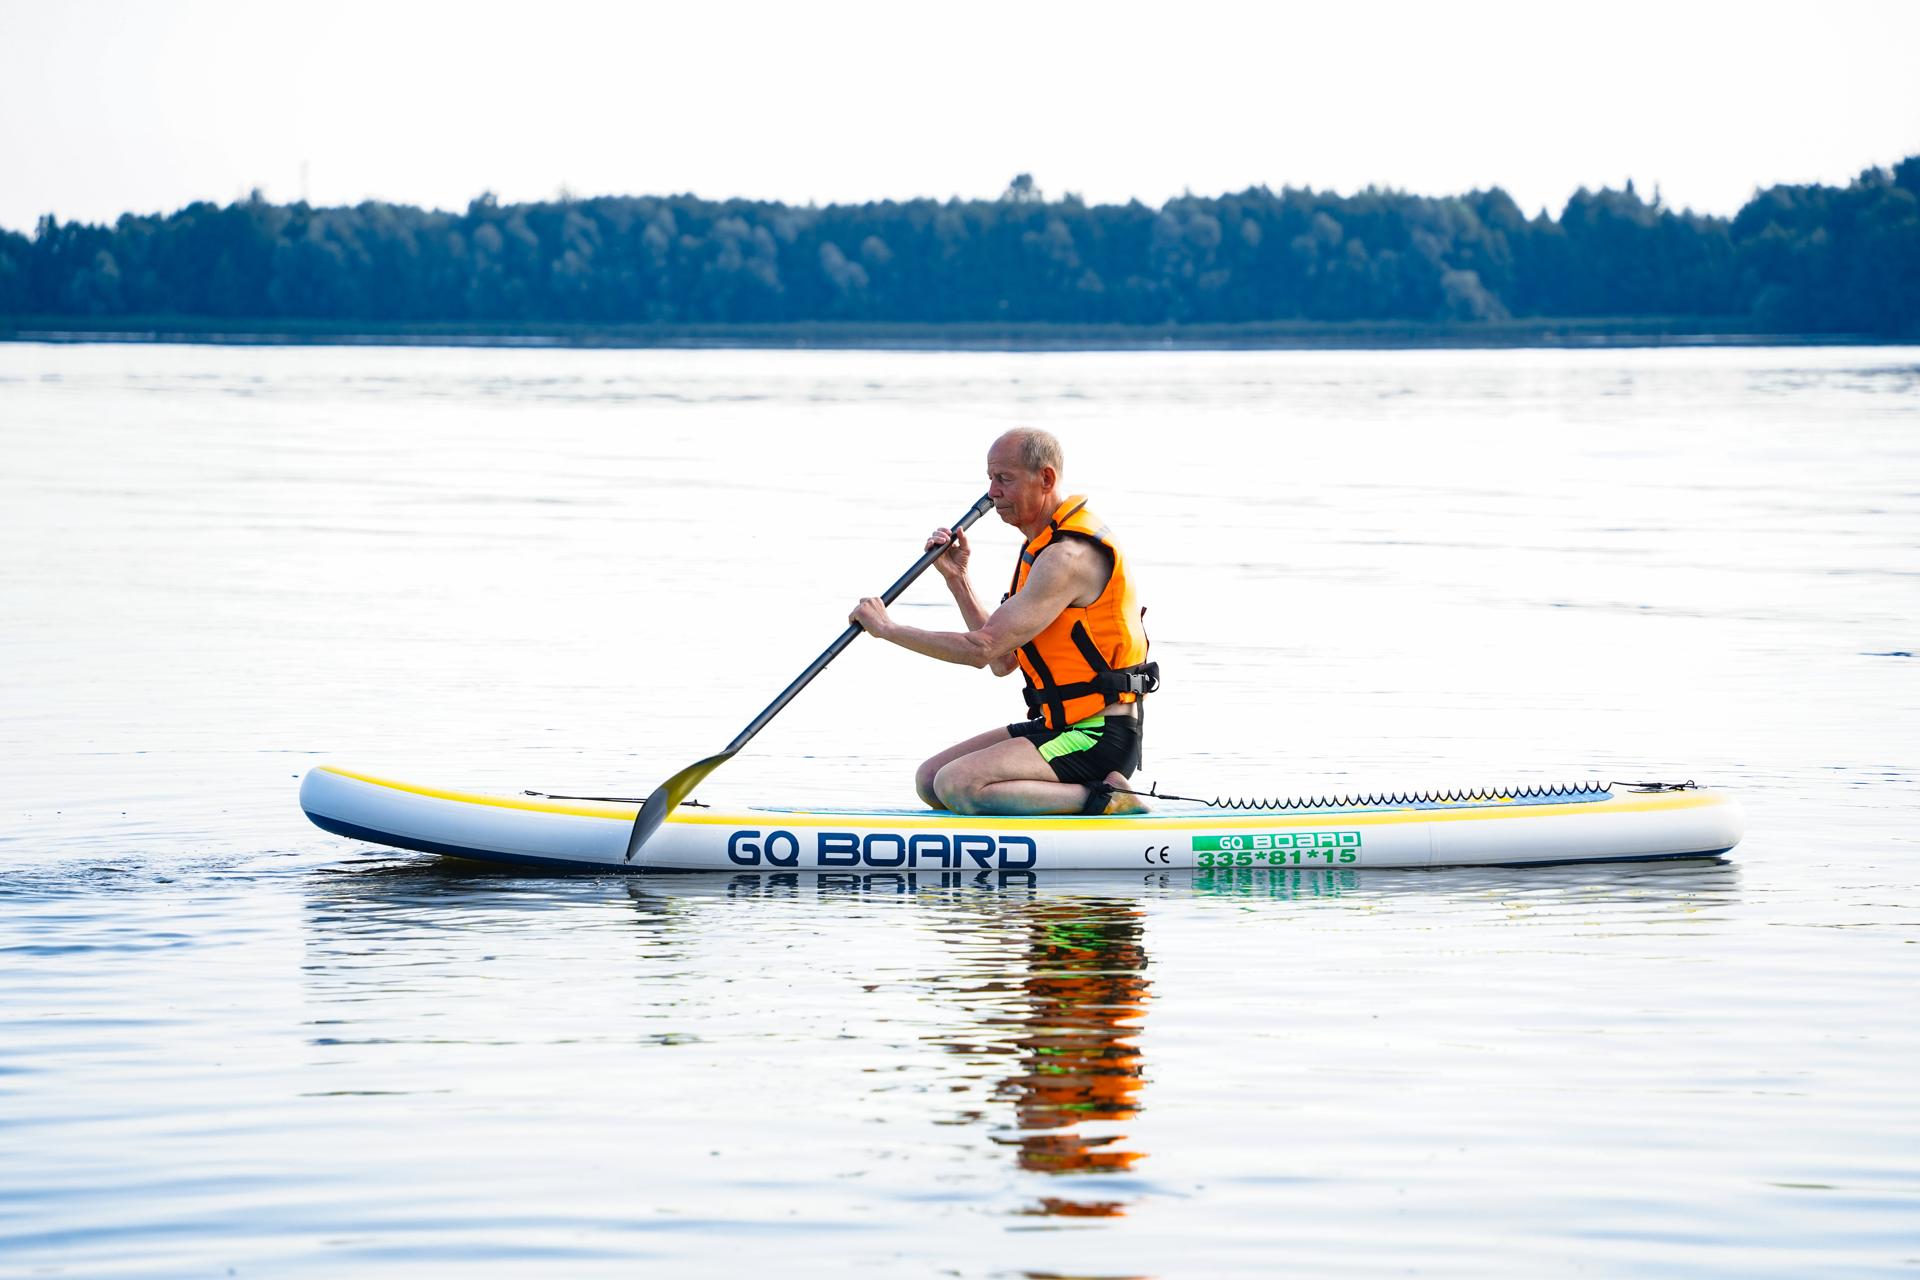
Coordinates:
232	1044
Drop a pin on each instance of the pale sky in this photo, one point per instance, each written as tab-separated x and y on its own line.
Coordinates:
109	106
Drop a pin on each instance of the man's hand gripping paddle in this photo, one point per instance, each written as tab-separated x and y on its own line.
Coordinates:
670	793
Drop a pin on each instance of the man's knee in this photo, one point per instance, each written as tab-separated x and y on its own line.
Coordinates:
923	782
955	789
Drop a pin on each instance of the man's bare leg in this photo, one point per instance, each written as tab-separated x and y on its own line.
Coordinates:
923	777
1009	777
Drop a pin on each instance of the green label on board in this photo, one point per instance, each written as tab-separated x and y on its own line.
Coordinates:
1274	848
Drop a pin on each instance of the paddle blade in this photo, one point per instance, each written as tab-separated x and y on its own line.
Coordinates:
666	797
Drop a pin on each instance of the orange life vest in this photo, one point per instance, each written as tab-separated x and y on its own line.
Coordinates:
1086	658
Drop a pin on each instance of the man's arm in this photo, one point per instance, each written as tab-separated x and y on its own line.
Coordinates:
953	567
974	614
1063	573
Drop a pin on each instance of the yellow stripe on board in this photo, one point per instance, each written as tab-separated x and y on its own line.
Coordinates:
575	808
614	811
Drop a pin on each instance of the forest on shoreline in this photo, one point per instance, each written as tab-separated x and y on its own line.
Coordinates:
1806	260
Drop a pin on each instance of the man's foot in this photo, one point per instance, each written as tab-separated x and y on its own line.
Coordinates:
1121	799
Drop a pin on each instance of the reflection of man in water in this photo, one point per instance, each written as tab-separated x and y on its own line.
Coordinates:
1088	991
1070	623
1071	1024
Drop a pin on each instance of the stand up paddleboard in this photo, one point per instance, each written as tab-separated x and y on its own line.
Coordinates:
1522	826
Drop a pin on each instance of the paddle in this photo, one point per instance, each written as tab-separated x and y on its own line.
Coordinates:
677	788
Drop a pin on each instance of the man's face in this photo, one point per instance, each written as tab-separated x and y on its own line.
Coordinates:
1019	495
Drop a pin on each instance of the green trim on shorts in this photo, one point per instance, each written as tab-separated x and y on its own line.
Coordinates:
1074	739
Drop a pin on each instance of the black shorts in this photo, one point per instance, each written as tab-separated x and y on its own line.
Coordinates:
1088	751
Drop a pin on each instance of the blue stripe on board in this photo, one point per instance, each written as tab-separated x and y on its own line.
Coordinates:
1576	862
370	836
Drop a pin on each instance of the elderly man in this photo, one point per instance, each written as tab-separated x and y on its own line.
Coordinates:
1073	627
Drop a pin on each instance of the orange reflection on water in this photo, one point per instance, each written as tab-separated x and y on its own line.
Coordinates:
1073	1020
1056	1207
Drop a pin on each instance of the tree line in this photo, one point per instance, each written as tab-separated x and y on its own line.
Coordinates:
1807	259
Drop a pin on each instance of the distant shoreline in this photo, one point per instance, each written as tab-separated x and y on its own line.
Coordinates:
1260	336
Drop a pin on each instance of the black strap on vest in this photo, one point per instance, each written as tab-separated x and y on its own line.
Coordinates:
1139	680
1111	681
1047	695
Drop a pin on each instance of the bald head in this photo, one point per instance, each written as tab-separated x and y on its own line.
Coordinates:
1035	449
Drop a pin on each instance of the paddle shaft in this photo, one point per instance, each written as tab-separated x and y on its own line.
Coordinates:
835	649
675	789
